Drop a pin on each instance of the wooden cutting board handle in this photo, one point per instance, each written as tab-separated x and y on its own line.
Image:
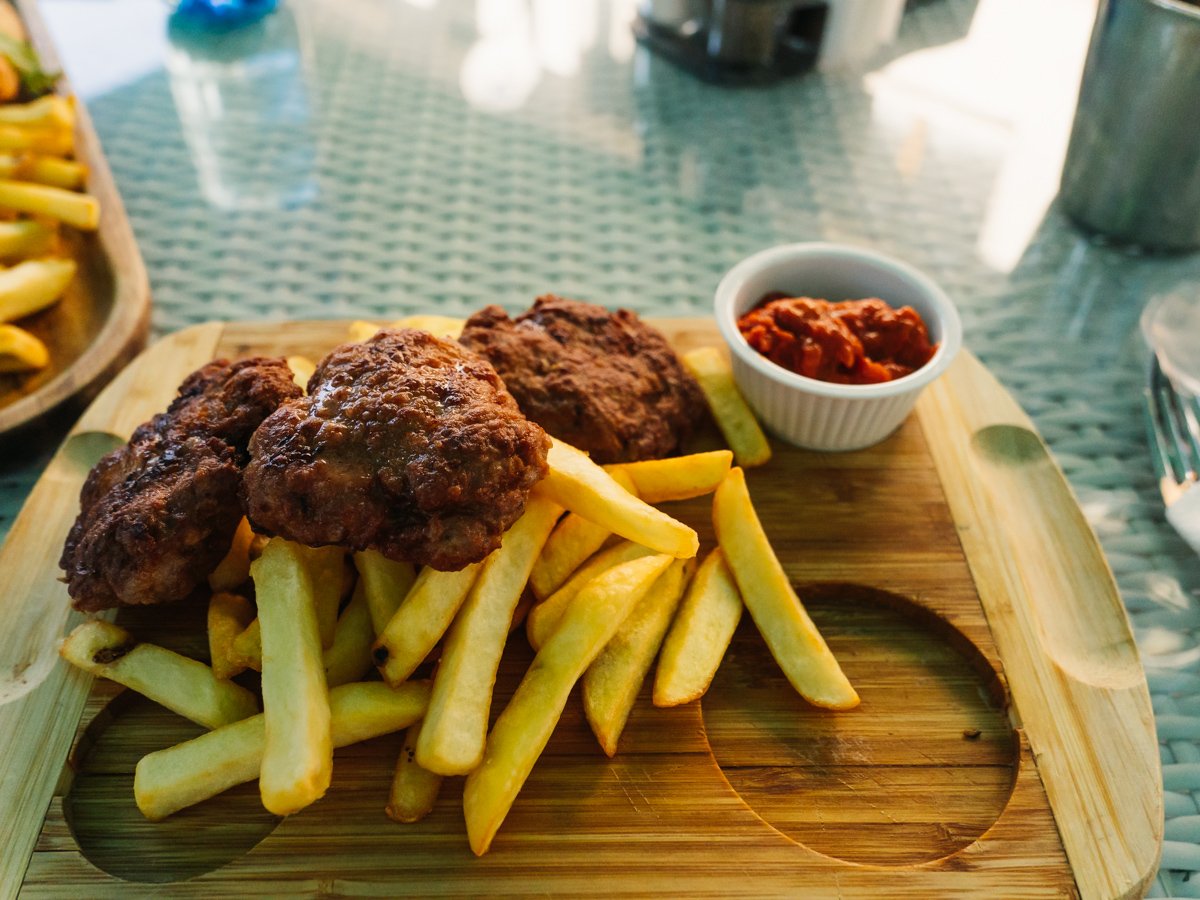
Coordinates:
1061	628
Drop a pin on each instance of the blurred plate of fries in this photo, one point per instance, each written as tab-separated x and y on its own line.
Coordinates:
74	295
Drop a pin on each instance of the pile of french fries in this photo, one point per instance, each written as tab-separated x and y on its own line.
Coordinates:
603	582
41	189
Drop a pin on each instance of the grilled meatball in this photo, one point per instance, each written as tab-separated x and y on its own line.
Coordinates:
406	444
158	514
604	382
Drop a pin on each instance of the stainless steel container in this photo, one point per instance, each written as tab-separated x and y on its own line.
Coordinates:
1132	170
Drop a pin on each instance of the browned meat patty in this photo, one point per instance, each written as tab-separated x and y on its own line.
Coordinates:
406	444
158	514
604	382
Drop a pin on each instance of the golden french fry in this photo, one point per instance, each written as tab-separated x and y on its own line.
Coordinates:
677	478
21	351
297	760
700	634
349	659
49	170
439	326
180	684
326	566
302	369
360	331
571	543
421	620
25	238
544	618
247	647
234	569
32	285
524	605
578	484
387	584
768	594
52	141
79	210
414	790
455	728
169	780
612	682
228	616
50	111
523	728
712	372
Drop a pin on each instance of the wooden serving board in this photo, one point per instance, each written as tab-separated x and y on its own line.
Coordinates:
103	318
1005	744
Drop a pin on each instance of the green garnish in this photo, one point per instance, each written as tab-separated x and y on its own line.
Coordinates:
35	81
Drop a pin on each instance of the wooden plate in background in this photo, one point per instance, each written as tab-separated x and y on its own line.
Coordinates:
104	317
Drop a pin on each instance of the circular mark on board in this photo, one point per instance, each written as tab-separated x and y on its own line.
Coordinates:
919	770
116	837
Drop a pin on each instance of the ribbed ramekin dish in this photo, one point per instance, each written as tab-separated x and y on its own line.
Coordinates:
817	414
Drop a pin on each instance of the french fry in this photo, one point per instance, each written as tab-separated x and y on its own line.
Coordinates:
51	141
360	331
21	351
414	789
455	728
228	616
325	568
573	541
297	760
578	484
699	635
25	238
612	682
421	620
524	727
232	571
247	647
349	659
169	780
50	111
768	594
302	369
439	326
544	618
735	419
32	285
676	478
79	210
387	584
182	685
49	170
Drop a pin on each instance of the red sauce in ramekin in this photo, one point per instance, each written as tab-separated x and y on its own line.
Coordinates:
852	342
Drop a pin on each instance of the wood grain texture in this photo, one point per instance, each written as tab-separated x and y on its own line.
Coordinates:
38	725
926	790
1060	626
103	318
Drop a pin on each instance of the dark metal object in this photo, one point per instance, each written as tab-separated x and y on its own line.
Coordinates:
1131	170
735	42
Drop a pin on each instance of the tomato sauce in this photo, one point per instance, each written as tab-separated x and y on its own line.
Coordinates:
852	342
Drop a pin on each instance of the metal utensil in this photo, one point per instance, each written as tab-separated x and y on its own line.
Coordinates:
1174	424
1130	171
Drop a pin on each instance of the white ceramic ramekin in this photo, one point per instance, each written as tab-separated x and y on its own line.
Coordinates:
816	414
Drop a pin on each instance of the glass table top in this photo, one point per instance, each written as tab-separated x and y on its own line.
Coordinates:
371	158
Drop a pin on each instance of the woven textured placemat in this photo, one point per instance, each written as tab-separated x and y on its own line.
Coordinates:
431	171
